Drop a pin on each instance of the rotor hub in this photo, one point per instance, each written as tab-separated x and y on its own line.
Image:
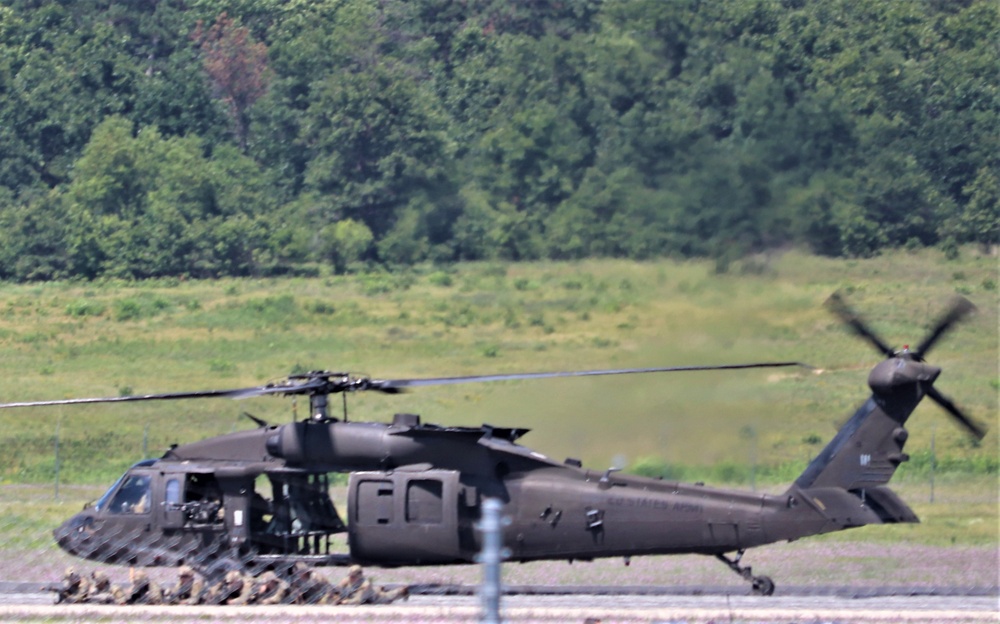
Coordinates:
894	373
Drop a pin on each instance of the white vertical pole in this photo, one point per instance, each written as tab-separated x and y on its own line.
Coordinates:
58	427
490	557
933	462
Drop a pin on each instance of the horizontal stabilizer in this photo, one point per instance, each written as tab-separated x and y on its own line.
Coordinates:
888	505
854	508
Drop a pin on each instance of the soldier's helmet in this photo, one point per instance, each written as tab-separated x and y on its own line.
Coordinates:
70	572
101	579
185	570
268	576
355	570
232	576
138	575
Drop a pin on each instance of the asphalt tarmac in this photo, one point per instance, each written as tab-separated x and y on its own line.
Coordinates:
812	606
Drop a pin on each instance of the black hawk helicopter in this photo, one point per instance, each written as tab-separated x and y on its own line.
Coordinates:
260	498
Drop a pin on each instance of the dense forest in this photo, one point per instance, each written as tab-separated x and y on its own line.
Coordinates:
259	137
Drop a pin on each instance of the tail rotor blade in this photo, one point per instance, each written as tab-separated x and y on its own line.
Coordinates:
839	307
960	308
974	428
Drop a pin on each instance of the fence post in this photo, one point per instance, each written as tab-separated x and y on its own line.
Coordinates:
933	462
58	427
490	557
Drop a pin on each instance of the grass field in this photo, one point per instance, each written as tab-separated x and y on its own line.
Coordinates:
757	428
68	340
65	340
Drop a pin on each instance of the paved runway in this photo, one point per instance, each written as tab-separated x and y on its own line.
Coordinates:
798	607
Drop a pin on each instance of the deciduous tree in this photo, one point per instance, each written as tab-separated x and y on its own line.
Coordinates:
237	67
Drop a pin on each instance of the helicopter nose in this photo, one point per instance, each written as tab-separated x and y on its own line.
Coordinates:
70	534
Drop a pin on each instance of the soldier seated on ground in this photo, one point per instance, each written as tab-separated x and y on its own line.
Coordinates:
74	588
101	591
355	589
141	590
308	587
233	589
188	590
268	590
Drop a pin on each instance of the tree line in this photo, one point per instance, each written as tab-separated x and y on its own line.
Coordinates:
257	137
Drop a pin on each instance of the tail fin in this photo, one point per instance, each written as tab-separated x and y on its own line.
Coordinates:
865	452
855	466
861	459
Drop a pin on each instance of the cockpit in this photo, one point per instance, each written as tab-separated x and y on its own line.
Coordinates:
129	494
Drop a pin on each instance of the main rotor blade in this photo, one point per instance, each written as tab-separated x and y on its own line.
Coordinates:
321	383
839	307
960	307
313	385
287	387
236	393
974	428
390	384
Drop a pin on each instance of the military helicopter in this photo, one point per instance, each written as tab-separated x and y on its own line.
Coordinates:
260	498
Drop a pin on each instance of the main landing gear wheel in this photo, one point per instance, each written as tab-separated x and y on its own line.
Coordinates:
762	586
759	585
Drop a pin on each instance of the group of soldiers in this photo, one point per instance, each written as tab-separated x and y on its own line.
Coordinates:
302	586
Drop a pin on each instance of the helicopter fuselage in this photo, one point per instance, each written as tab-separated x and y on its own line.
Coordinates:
413	498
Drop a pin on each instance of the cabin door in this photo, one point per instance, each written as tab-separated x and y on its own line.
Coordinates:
172	501
404	517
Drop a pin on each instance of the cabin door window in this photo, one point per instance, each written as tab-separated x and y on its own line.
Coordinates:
424	503
377	502
173	501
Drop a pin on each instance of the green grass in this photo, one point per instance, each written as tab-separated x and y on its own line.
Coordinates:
65	340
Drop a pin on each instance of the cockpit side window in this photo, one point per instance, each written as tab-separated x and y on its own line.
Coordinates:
132	497
172	492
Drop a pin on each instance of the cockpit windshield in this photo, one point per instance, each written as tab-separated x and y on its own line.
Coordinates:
128	490
105	498
133	496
